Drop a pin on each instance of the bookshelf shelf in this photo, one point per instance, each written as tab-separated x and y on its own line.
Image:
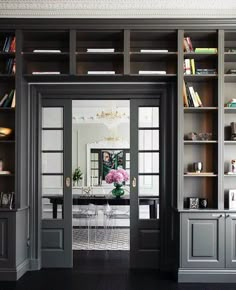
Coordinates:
201	56
200	109
230	78
200	175
230	110
200	77
200	142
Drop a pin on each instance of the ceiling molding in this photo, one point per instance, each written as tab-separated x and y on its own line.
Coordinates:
117	9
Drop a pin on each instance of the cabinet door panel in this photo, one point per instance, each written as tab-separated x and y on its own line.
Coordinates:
202	240
231	241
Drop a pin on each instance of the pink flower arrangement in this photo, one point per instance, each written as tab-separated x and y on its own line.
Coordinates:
117	176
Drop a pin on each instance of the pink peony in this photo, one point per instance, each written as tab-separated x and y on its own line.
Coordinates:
117	176
124	173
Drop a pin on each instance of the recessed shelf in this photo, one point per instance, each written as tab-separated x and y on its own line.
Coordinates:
200	77
229	142
200	141
199	109
201	56
229	110
200	175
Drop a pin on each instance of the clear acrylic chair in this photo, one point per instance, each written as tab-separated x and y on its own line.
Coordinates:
89	213
111	215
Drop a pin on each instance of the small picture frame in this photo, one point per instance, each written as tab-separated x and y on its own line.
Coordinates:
193	202
6	200
232	199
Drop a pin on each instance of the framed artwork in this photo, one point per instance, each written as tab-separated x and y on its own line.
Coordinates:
6	200
232	199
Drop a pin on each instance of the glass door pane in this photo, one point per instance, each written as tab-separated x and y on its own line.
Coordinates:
52	167
148	162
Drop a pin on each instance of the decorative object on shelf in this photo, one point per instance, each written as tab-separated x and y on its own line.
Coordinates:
231	71
232	199
198	166
118	177
203	136
77	176
5	132
203	203
6	200
233	131
233	166
193	202
231	103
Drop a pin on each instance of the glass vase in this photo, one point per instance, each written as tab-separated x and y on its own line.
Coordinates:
118	190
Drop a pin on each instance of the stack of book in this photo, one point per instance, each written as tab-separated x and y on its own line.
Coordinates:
47	51
189	66
8	100
10	67
100	50
152	72
9	44
211	50
153	50
205	71
188	46
191	98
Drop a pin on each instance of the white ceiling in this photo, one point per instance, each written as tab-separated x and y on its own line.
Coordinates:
118	8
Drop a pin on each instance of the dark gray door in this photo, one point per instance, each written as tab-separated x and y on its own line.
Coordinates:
56	136
145	160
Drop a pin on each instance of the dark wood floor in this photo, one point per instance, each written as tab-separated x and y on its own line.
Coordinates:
98	270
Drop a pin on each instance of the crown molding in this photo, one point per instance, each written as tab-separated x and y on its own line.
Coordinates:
117	9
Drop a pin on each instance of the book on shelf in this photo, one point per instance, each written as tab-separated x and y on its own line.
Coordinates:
189	66
6	101
212	50
46	73
9	44
205	71
151	72
100	49
5	172
47	50
153	50
100	72
188	46
191	98
10	67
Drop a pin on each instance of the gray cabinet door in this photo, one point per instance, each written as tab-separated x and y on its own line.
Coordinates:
202	237
230	240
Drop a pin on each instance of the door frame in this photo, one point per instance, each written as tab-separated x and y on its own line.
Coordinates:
102	91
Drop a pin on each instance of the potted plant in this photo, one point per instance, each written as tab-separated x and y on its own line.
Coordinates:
77	176
118	177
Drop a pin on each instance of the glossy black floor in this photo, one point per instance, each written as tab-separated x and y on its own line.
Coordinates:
98	270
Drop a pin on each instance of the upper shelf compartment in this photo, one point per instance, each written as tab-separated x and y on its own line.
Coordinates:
153	52
99	41
46	41
45	52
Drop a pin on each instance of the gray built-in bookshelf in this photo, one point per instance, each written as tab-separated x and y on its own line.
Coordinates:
136	51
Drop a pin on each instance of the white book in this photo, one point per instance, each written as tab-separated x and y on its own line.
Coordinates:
149	72
153	50
46	73
100	50
47	50
90	72
192	92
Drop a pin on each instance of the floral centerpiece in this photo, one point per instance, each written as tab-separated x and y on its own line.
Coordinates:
118	177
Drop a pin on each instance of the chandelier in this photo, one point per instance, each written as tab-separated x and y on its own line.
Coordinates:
111	115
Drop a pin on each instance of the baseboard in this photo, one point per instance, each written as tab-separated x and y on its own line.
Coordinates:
13	274
34	265
207	276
